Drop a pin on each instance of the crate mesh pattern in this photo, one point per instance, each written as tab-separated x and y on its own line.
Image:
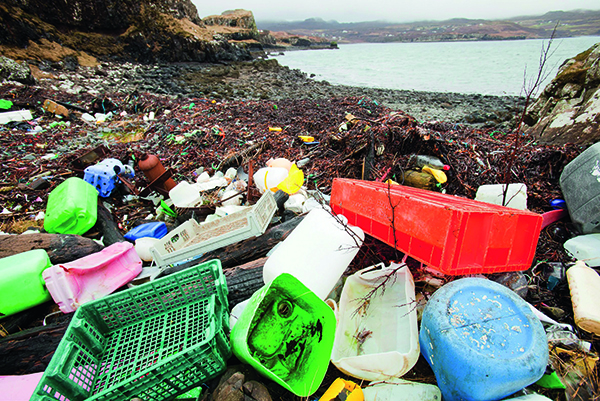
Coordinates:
154	341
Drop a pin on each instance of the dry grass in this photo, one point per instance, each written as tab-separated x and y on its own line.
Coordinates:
20	226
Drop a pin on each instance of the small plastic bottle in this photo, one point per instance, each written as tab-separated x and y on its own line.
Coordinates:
429	161
584	284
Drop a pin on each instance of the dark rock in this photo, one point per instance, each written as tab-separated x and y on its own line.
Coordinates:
146	31
255	391
230	387
10	70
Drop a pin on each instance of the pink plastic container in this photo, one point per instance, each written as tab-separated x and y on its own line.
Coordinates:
92	277
450	234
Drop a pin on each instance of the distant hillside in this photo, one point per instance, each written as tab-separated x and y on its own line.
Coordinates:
571	23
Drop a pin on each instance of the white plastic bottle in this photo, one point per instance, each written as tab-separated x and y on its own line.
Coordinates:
584	283
317	252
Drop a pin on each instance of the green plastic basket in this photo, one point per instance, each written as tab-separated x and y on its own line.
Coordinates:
154	341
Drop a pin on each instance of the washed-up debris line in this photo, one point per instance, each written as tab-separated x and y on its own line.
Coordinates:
351	138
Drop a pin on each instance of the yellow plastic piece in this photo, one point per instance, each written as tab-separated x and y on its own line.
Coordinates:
274	129
306	138
293	181
439	175
342	389
391	182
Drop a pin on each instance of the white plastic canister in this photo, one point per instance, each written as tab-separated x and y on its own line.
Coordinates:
317	252
401	390
185	194
584	284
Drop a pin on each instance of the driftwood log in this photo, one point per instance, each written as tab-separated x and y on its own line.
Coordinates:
244	280
30	351
106	225
61	248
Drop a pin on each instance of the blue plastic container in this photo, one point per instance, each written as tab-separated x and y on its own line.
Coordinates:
482	341
103	176
156	229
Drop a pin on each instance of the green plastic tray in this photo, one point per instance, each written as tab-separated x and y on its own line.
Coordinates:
154	341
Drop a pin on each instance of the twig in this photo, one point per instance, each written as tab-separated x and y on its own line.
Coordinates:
529	94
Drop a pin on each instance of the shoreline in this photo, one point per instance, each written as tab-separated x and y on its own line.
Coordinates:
266	79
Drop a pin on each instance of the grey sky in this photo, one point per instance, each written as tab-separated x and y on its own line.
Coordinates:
391	10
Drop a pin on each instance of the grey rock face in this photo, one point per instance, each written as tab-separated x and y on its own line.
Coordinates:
569	108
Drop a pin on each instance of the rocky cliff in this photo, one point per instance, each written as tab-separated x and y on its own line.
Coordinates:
141	30
568	110
235	25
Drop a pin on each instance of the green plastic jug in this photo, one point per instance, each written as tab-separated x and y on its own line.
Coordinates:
72	207
21	282
286	333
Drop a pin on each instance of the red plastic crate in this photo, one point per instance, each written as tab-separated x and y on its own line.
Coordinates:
451	234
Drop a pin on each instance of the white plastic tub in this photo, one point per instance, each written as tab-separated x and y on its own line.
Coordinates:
516	195
585	248
377	340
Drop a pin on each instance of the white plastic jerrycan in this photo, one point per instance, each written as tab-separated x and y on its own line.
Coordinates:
317	252
377	336
401	390
584	285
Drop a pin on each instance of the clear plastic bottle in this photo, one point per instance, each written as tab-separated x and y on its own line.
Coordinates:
429	161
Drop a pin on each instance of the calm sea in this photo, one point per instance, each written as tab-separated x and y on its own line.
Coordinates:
490	67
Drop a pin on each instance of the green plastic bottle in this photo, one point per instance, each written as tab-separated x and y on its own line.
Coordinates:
72	207
22	285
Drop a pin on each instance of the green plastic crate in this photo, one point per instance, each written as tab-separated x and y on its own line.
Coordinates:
154	341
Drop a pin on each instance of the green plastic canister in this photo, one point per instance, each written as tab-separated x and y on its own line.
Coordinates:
22	285
72	207
286	333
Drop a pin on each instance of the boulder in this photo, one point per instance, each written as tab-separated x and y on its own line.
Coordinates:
10	70
568	110
234	25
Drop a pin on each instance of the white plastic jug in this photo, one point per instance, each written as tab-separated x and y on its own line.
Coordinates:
269	177
585	248
142	247
185	194
401	390
516	195
377	339
584	284
317	251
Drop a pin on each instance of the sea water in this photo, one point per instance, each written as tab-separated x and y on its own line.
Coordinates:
485	67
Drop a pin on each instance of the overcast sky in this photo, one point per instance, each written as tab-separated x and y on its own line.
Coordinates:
391	10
